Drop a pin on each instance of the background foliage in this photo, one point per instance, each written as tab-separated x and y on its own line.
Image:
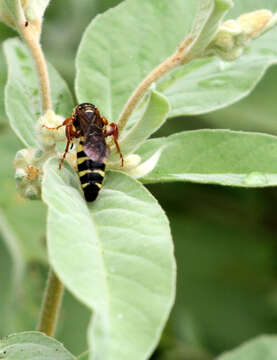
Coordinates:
224	237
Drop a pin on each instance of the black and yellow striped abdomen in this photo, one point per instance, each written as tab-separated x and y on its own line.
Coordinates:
91	174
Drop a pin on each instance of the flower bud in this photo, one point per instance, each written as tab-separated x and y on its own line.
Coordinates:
32	193
234	35
28	171
253	24
142	169
46	129
20	175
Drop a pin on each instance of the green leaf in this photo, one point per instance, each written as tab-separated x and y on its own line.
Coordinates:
206	85
2	85
209	84
6	278
245	6
5	32
214	157
32	346
206	23
115	56
257	112
149	121
264	347
112	59
18	265
17	210
22	94
104	252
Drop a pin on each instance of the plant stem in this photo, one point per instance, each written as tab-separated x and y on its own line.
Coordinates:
51	304
31	39
54	288
178	58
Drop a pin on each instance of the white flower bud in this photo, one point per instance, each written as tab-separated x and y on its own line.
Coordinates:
20	175
146	167
131	161
234	35
46	131
254	23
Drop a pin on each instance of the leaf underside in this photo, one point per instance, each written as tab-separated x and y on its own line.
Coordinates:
104	253
214	157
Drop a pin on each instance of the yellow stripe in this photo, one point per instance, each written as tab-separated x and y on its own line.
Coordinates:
100	172
82	138
84	185
81	160
99	185
79	148
84	172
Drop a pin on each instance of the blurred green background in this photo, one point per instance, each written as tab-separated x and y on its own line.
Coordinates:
225	238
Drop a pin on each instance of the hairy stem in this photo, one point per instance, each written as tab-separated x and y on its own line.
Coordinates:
32	41
54	288
51	304
178	58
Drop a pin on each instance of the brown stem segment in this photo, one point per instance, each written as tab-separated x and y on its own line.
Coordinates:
178	58
51	304
31	39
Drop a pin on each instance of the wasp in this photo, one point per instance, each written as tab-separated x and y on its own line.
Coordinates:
86	124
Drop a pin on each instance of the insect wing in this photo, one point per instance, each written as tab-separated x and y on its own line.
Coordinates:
95	145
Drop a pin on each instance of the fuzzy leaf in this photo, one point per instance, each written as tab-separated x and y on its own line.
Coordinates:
264	347
22	94
3	78
151	118
115	56
209	84
32	346
104	252
206	23
17	210
214	157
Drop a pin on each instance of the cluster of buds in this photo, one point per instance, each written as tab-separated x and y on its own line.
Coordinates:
28	172
234	35
29	162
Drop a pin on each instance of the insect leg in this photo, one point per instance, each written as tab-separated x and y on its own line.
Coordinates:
105	120
66	122
112	130
70	134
